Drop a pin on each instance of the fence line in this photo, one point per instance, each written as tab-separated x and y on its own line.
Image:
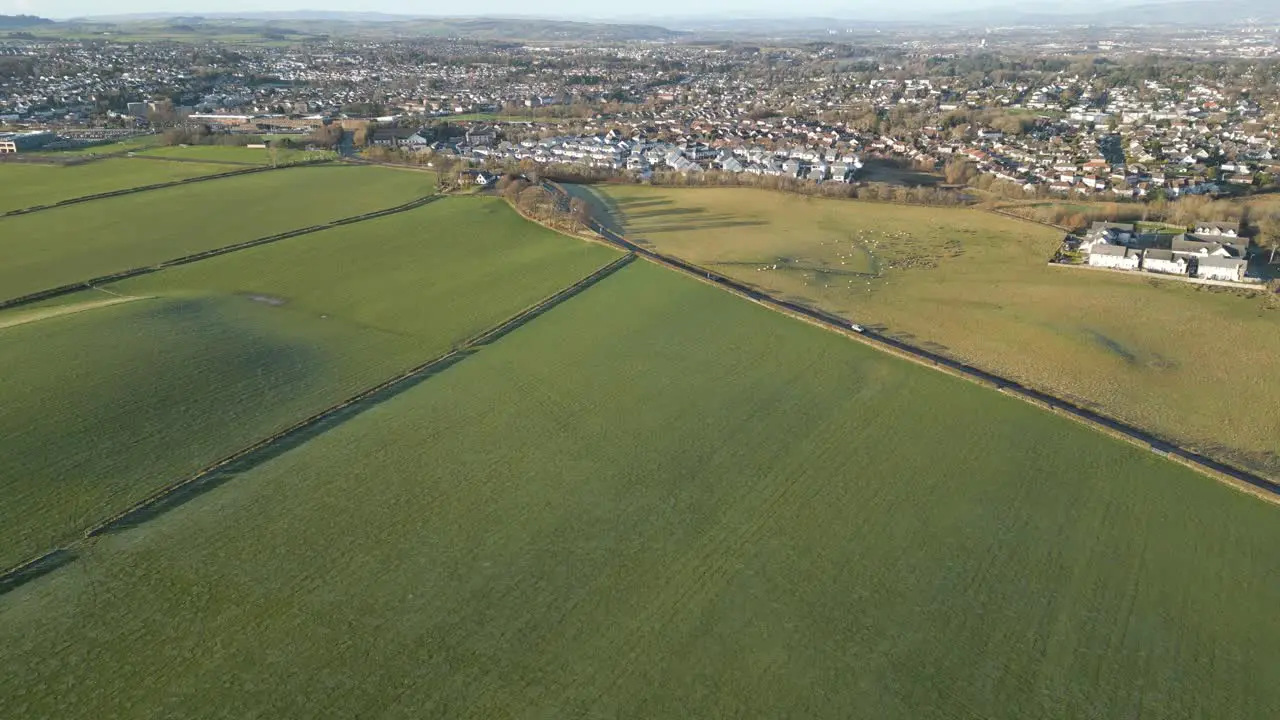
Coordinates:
1218	470
175	491
206	254
155	186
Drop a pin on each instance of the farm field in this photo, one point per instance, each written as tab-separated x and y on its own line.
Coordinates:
109	396
659	500
1191	363
65	245
29	185
111	148
224	153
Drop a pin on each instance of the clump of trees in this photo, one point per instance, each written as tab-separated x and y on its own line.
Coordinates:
203	135
534	200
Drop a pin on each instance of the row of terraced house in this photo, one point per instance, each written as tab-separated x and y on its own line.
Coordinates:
1214	251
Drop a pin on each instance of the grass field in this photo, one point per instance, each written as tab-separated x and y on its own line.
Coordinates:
26	186
65	245
112	148
659	500
107	400
1192	363
225	153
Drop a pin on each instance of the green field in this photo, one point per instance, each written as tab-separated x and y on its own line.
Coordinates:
1191	363
234	154
106	404
30	185
51	248
661	501
111	148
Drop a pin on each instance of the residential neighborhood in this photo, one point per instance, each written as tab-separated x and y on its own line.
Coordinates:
1069	126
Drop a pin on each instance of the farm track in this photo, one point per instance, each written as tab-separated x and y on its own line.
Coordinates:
206	254
160	186
179	492
1245	481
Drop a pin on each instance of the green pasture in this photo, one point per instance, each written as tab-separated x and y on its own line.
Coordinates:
1194	364
111	148
110	395
235	154
64	245
661	501
29	185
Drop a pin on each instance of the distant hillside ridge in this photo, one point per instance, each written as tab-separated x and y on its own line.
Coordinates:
9	22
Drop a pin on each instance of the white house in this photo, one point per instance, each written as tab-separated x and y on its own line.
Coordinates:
1117	257
1164	261
1221	268
1221	229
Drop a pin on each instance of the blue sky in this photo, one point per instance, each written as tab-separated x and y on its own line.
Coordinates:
550	8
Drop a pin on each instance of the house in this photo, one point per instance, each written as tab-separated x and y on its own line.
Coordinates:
1196	246
1218	229
478	178
418	141
1164	261
390	137
1116	257
1113	233
1221	268
482	136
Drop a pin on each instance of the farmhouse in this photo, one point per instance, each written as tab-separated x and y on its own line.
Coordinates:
1117	257
1164	261
1221	268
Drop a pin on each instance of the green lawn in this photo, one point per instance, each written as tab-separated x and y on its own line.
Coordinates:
25	186
104	405
229	153
1191	363
661	501
79	242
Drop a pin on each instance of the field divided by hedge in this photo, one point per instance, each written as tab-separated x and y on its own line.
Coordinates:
660	500
29	185
106	405
69	244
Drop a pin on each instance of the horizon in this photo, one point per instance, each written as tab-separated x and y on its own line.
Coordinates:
670	10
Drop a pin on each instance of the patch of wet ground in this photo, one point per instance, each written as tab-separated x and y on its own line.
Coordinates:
271	300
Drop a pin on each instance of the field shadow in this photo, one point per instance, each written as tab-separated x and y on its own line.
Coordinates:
36	569
287	442
310	428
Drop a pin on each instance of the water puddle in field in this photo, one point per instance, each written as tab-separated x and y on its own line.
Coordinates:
271	300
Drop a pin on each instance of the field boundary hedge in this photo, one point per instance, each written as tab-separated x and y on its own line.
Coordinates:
206	254
1235	477
156	186
174	493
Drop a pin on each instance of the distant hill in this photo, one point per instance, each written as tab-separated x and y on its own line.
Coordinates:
381	24
12	22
